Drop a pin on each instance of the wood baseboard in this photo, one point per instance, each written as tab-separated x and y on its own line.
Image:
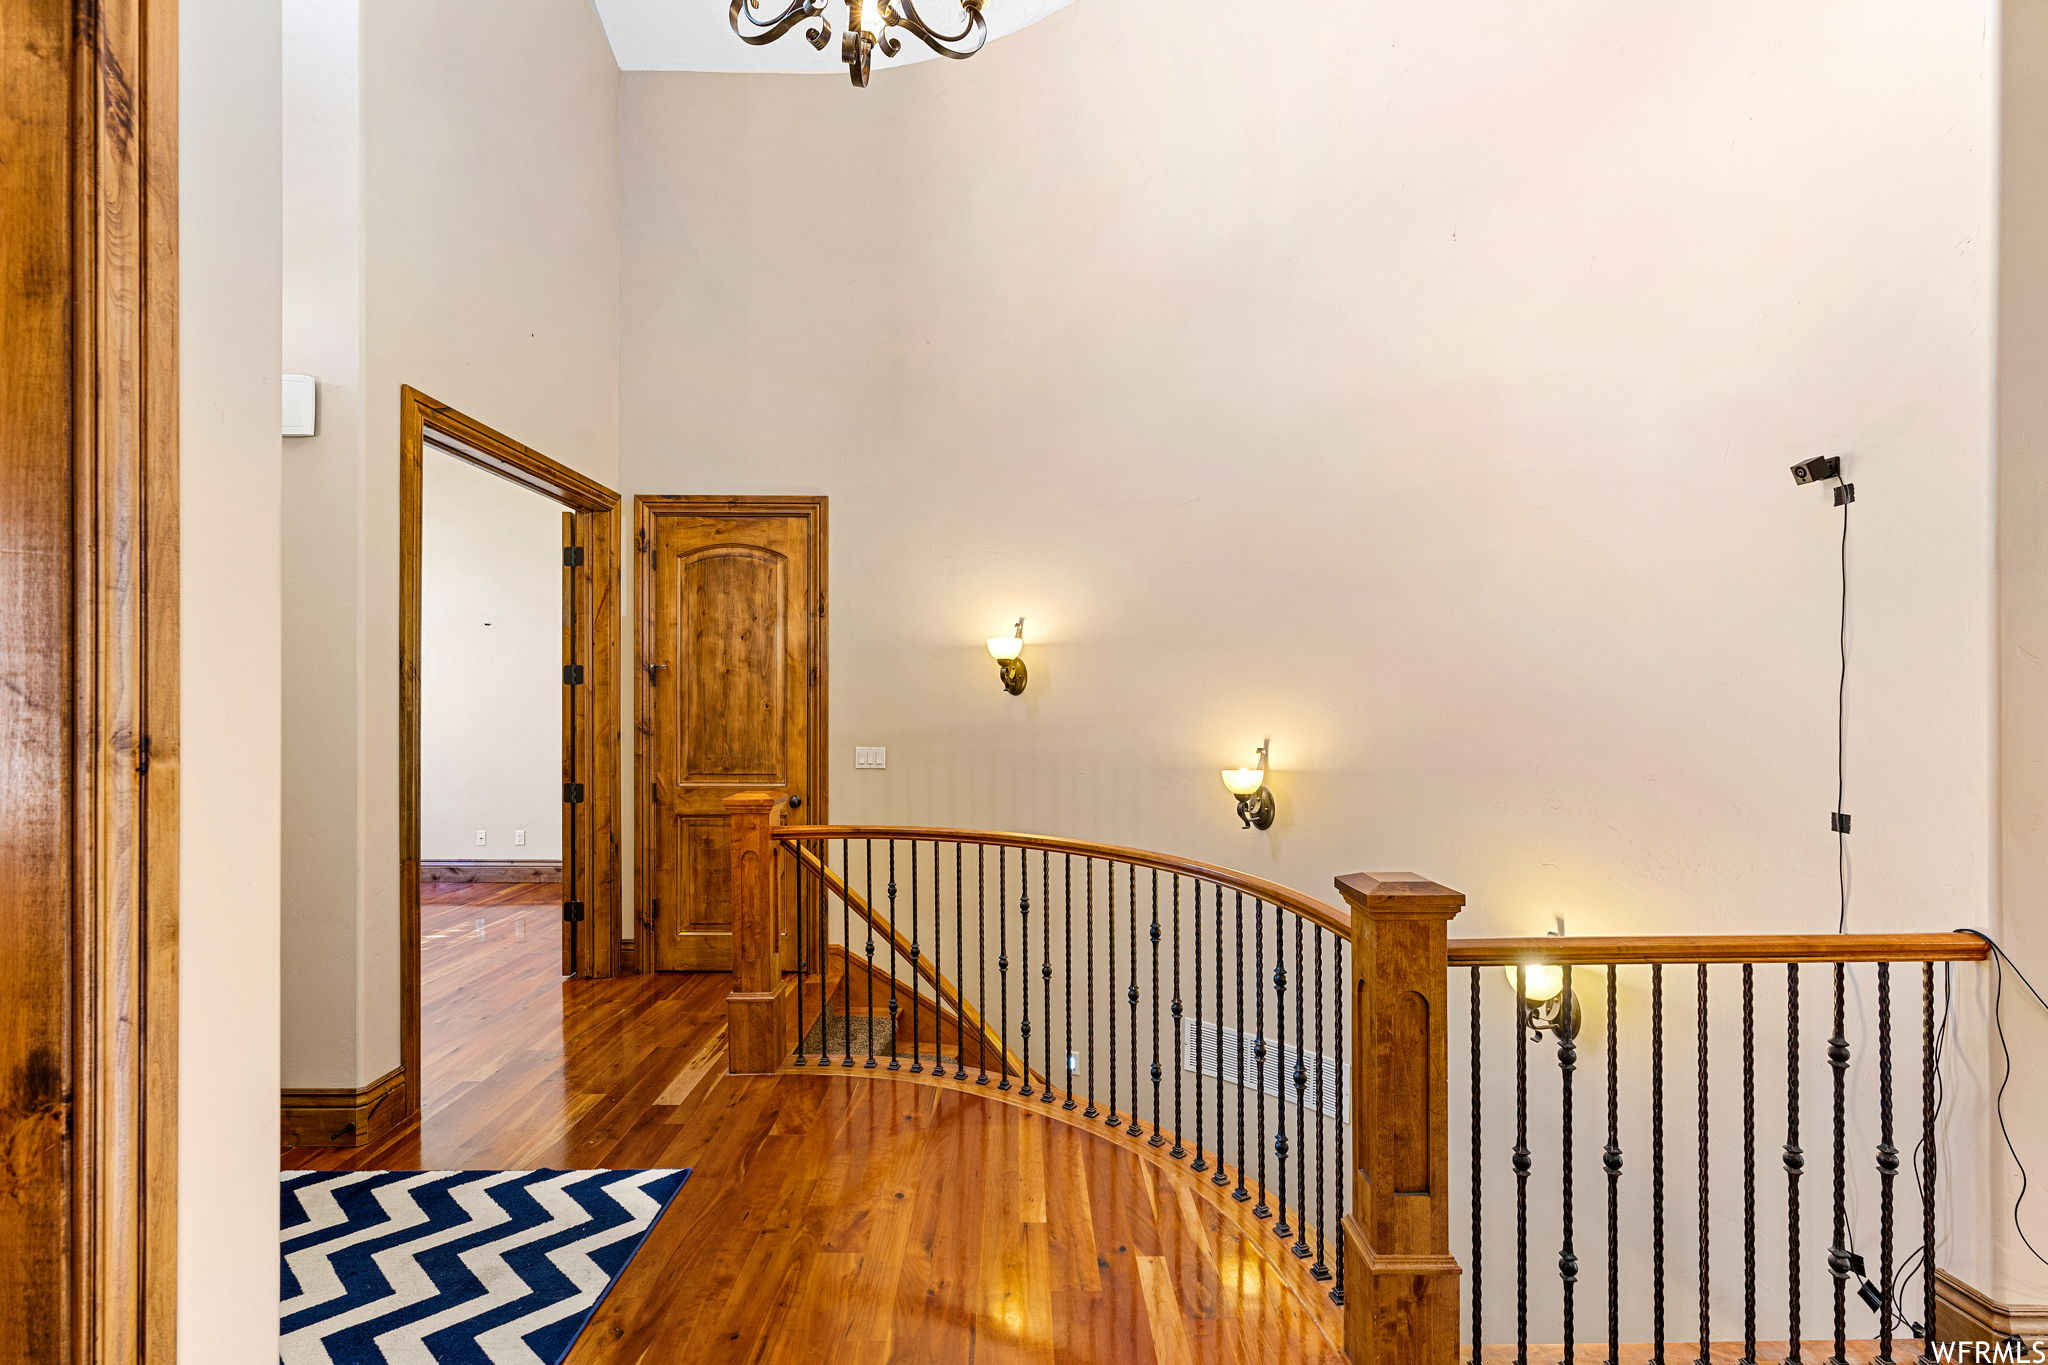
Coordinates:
1964	1313
629	956
344	1118
466	870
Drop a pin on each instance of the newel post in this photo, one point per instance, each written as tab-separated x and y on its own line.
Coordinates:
1401	1281
760	1016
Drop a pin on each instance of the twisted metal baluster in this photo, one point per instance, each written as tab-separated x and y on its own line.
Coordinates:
1706	1261
1280	1226
1929	1065
1221	1178
1343	987
916	956
1067	975
1657	1161
981	959
1045	1092
1887	1160
1478	1246
1611	1162
846	944
1320	1270
1748	1164
1258	1092
1157	1139
1134	1127
1003	960
895	1005
1300	1247
1838	1252
1520	1164
1109	875
1178	1149
960	963
1795	1159
1191	1046
868	846
1088	868
1240	1194
1567	1255
1024	1090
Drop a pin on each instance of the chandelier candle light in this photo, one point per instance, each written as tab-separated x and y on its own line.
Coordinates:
870	24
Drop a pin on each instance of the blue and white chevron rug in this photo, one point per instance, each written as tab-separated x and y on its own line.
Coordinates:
455	1267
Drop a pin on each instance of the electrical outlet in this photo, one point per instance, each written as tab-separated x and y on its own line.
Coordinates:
483	836
870	758
519	837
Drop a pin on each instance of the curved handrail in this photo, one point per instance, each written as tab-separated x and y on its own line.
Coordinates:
1317	912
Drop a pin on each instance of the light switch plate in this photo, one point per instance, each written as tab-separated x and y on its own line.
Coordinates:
870	758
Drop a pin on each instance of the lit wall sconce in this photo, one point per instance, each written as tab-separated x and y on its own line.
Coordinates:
1254	803
1008	652
1549	1007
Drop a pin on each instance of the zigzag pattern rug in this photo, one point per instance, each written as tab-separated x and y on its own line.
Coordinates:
455	1267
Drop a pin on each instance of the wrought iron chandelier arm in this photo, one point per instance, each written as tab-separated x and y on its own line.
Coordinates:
968	41
767	29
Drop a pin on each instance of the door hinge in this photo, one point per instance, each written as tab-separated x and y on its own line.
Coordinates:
572	912
572	792
572	556
142	758
572	674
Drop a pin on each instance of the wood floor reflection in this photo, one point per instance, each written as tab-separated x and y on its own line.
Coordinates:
830	1218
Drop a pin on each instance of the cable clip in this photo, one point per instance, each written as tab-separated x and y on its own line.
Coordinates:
1838	822
1845	495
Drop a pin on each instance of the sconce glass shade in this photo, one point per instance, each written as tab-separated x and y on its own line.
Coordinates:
1543	982
1244	781
1003	648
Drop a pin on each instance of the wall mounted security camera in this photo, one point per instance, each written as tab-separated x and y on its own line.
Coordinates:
1817	469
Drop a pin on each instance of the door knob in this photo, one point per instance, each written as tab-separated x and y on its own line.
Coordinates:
796	802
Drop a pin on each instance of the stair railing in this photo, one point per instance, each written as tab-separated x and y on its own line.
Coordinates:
1299	1058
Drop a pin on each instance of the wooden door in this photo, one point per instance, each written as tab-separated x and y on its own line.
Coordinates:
732	621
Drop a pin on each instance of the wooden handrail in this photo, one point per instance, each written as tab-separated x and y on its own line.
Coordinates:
1317	912
1724	948
947	992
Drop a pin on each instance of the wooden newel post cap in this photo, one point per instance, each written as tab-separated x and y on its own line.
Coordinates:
741	802
1399	893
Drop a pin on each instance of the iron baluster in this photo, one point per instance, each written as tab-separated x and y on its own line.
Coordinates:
1611	1161
1156	1140
1067	976
1179	1148
1748	1164
1567	1255
1280	1226
868	847
1520	1163
1200	1163
1706	1261
1240	1194
1795	1159
1134	1127
1045	965
1222	1178
1887	1160
846	945
1343	988
960	964
917	956
1024	939
1320	1269
1003	961
1088	871
1929	1064
895	932
802	963
981	959
1258	1091
1838	1252
1657	1163
1300	1247
1478	1247
1109	875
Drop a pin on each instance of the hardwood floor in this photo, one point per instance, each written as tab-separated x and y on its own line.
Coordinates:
829	1217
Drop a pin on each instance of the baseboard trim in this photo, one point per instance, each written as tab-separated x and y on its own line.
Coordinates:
478	870
629	957
1965	1313
343	1118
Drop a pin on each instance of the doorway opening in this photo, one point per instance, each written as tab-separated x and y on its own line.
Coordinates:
508	725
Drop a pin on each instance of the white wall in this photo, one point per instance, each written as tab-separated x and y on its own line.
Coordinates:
1420	395
490	666
229	772
480	264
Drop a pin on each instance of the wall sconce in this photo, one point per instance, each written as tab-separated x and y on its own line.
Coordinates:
1548	1006
1008	652
1254	803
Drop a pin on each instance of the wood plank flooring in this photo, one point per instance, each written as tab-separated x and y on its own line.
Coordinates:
841	1218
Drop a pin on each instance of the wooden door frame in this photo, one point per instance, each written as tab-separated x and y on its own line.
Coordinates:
818	801
590	738
89	500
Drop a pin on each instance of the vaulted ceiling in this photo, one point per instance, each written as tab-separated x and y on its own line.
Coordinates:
695	35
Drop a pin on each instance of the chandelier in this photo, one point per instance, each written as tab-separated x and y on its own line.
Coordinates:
870	24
